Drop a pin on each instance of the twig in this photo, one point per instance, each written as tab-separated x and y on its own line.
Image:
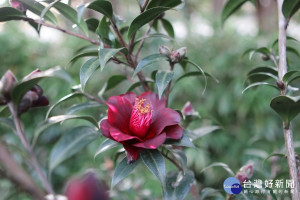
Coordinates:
143	40
144	6
28	148
91	97
172	160
120	37
16	174
287	127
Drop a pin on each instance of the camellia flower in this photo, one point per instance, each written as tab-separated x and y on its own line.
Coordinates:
140	122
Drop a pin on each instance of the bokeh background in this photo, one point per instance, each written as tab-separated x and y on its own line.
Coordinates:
250	130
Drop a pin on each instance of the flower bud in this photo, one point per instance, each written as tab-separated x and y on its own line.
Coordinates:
177	55
182	52
32	74
2	98
164	51
265	57
280	85
245	173
8	83
19	6
27	101
188	110
86	188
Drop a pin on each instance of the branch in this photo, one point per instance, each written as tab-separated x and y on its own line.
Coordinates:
172	160
287	128
29	150
143	40
16	174
91	97
144	6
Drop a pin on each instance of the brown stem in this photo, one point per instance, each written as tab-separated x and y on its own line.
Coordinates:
91	97
120	37
287	127
29	150
168	90
16	174
172	160
144	6
143	40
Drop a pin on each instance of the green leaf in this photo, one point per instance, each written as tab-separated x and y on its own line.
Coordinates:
185	141
154	35
148	61
102	6
144	18
178	184
289	8
45	11
292	50
219	164
155	163
7	122
275	43
103	30
82	106
8	13
230	7
274	154
262	50
291	76
92	24
163	78
122	170
71	143
200	69
60	118
84	54
264	69
260	76
113	81
71	15
67	97
180	156
168	27
105	54
80	10
137	84
210	192
259	84
200	132
106	145
87	69
22	87
163	3
287	107
37	8
196	74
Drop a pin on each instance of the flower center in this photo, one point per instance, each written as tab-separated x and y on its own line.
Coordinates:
141	117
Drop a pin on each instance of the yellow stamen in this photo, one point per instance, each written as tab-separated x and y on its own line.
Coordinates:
139	105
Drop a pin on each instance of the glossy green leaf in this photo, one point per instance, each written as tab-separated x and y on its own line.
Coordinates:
82	106
260	76
92	24
287	107
274	155
201	70
71	143
113	81
264	69
180	157
60	118
37	8
163	78
22	87
67	97
102	6
84	54
185	141
200	132
154	35
71	15
163	3
122	170
262	50
87	69
289	8
178	185
207	193
80	10
135	85
275	43
148	61
292	50
219	164
45	11
230	7
189	74
106	145
144	18
168	27
105	54
291	76
103	30
259	84
7	122
8	13
155	163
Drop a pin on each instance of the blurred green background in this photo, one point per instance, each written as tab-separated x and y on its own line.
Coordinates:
250	131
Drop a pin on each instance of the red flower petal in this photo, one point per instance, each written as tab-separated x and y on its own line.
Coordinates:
162	118
174	132
132	153
153	98
153	143
105	126
119	111
130	96
119	136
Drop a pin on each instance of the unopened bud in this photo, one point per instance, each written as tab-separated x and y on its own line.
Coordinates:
9	81
182	52
245	173
164	51
2	98
32	74
19	6
188	110
265	57
280	85
177	55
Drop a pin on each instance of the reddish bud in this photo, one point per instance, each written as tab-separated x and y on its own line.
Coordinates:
280	85
164	51
32	74
245	173
188	110
19	6
86	188
8	83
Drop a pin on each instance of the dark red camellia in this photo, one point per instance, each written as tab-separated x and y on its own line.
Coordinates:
140	122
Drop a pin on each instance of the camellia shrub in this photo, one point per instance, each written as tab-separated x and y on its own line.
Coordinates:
139	122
